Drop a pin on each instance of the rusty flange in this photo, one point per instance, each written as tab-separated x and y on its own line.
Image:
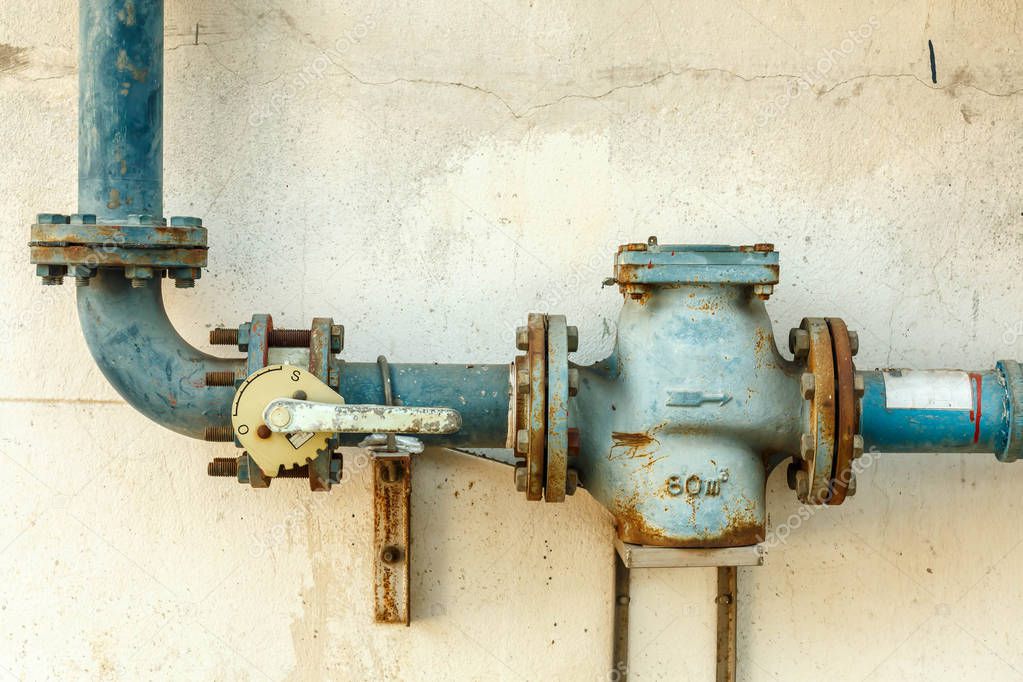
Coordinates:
542	384
822	472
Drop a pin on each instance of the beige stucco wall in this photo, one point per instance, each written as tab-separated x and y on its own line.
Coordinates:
429	172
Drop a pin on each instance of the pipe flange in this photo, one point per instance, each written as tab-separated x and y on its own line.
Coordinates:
823	473
145	247
542	383
1012	373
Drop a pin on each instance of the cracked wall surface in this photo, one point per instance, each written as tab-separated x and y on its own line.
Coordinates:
427	173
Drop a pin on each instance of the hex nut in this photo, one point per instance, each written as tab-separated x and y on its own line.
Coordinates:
763	291
573	381
522	380
522	441
857	446
799	342
854	342
807	446
520	479
522	338
850	489
790	474
571	481
858	387
807	385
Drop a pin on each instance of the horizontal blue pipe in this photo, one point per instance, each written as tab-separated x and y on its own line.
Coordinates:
984	428
120	108
480	393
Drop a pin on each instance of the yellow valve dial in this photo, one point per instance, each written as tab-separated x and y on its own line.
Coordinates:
268	449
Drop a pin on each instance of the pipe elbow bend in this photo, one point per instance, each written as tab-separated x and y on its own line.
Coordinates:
145	359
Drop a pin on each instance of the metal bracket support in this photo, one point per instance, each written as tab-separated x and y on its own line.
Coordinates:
392	478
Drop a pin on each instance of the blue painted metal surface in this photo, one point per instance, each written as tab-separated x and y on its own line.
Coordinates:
478	392
146	360
120	108
982	428
676	424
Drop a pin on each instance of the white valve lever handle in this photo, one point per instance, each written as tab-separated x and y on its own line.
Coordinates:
289	416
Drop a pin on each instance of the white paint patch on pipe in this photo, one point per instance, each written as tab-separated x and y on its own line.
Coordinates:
927	390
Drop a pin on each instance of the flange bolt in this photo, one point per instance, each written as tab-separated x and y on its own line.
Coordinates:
799	342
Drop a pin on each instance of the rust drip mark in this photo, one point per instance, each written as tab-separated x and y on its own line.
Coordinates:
127	14
115	199
632	445
978	382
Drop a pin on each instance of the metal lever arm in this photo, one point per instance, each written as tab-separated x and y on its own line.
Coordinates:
291	416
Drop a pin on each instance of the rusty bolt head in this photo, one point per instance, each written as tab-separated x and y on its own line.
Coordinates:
573	381
264	431
802	485
763	291
807	446
390	554
522	441
571	481
337	338
807	385
299	395
799	342
857	446
520	479
522	338
854	342
573	339
522	380
651	240
858	387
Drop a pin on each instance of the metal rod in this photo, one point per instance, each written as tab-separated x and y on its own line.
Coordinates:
727	630
620	653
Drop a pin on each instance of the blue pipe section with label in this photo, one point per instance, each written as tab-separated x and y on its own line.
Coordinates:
972	414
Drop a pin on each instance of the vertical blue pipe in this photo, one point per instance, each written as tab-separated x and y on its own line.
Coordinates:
120	108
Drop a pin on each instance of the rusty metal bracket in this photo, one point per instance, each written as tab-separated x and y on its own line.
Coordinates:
727	630
392	540
392	478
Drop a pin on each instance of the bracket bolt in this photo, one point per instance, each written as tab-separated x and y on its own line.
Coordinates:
520	479
522	441
390	555
521	338
802	485
763	291
799	342
573	381
854	342
807	385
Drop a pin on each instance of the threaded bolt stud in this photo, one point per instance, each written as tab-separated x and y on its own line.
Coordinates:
219	434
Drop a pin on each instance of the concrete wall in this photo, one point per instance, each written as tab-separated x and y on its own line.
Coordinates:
429	172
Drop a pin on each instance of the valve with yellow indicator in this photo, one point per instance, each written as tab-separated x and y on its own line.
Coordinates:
284	417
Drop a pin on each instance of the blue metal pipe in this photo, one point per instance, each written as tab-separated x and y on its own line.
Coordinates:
146	360
480	393
120	108
982	425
